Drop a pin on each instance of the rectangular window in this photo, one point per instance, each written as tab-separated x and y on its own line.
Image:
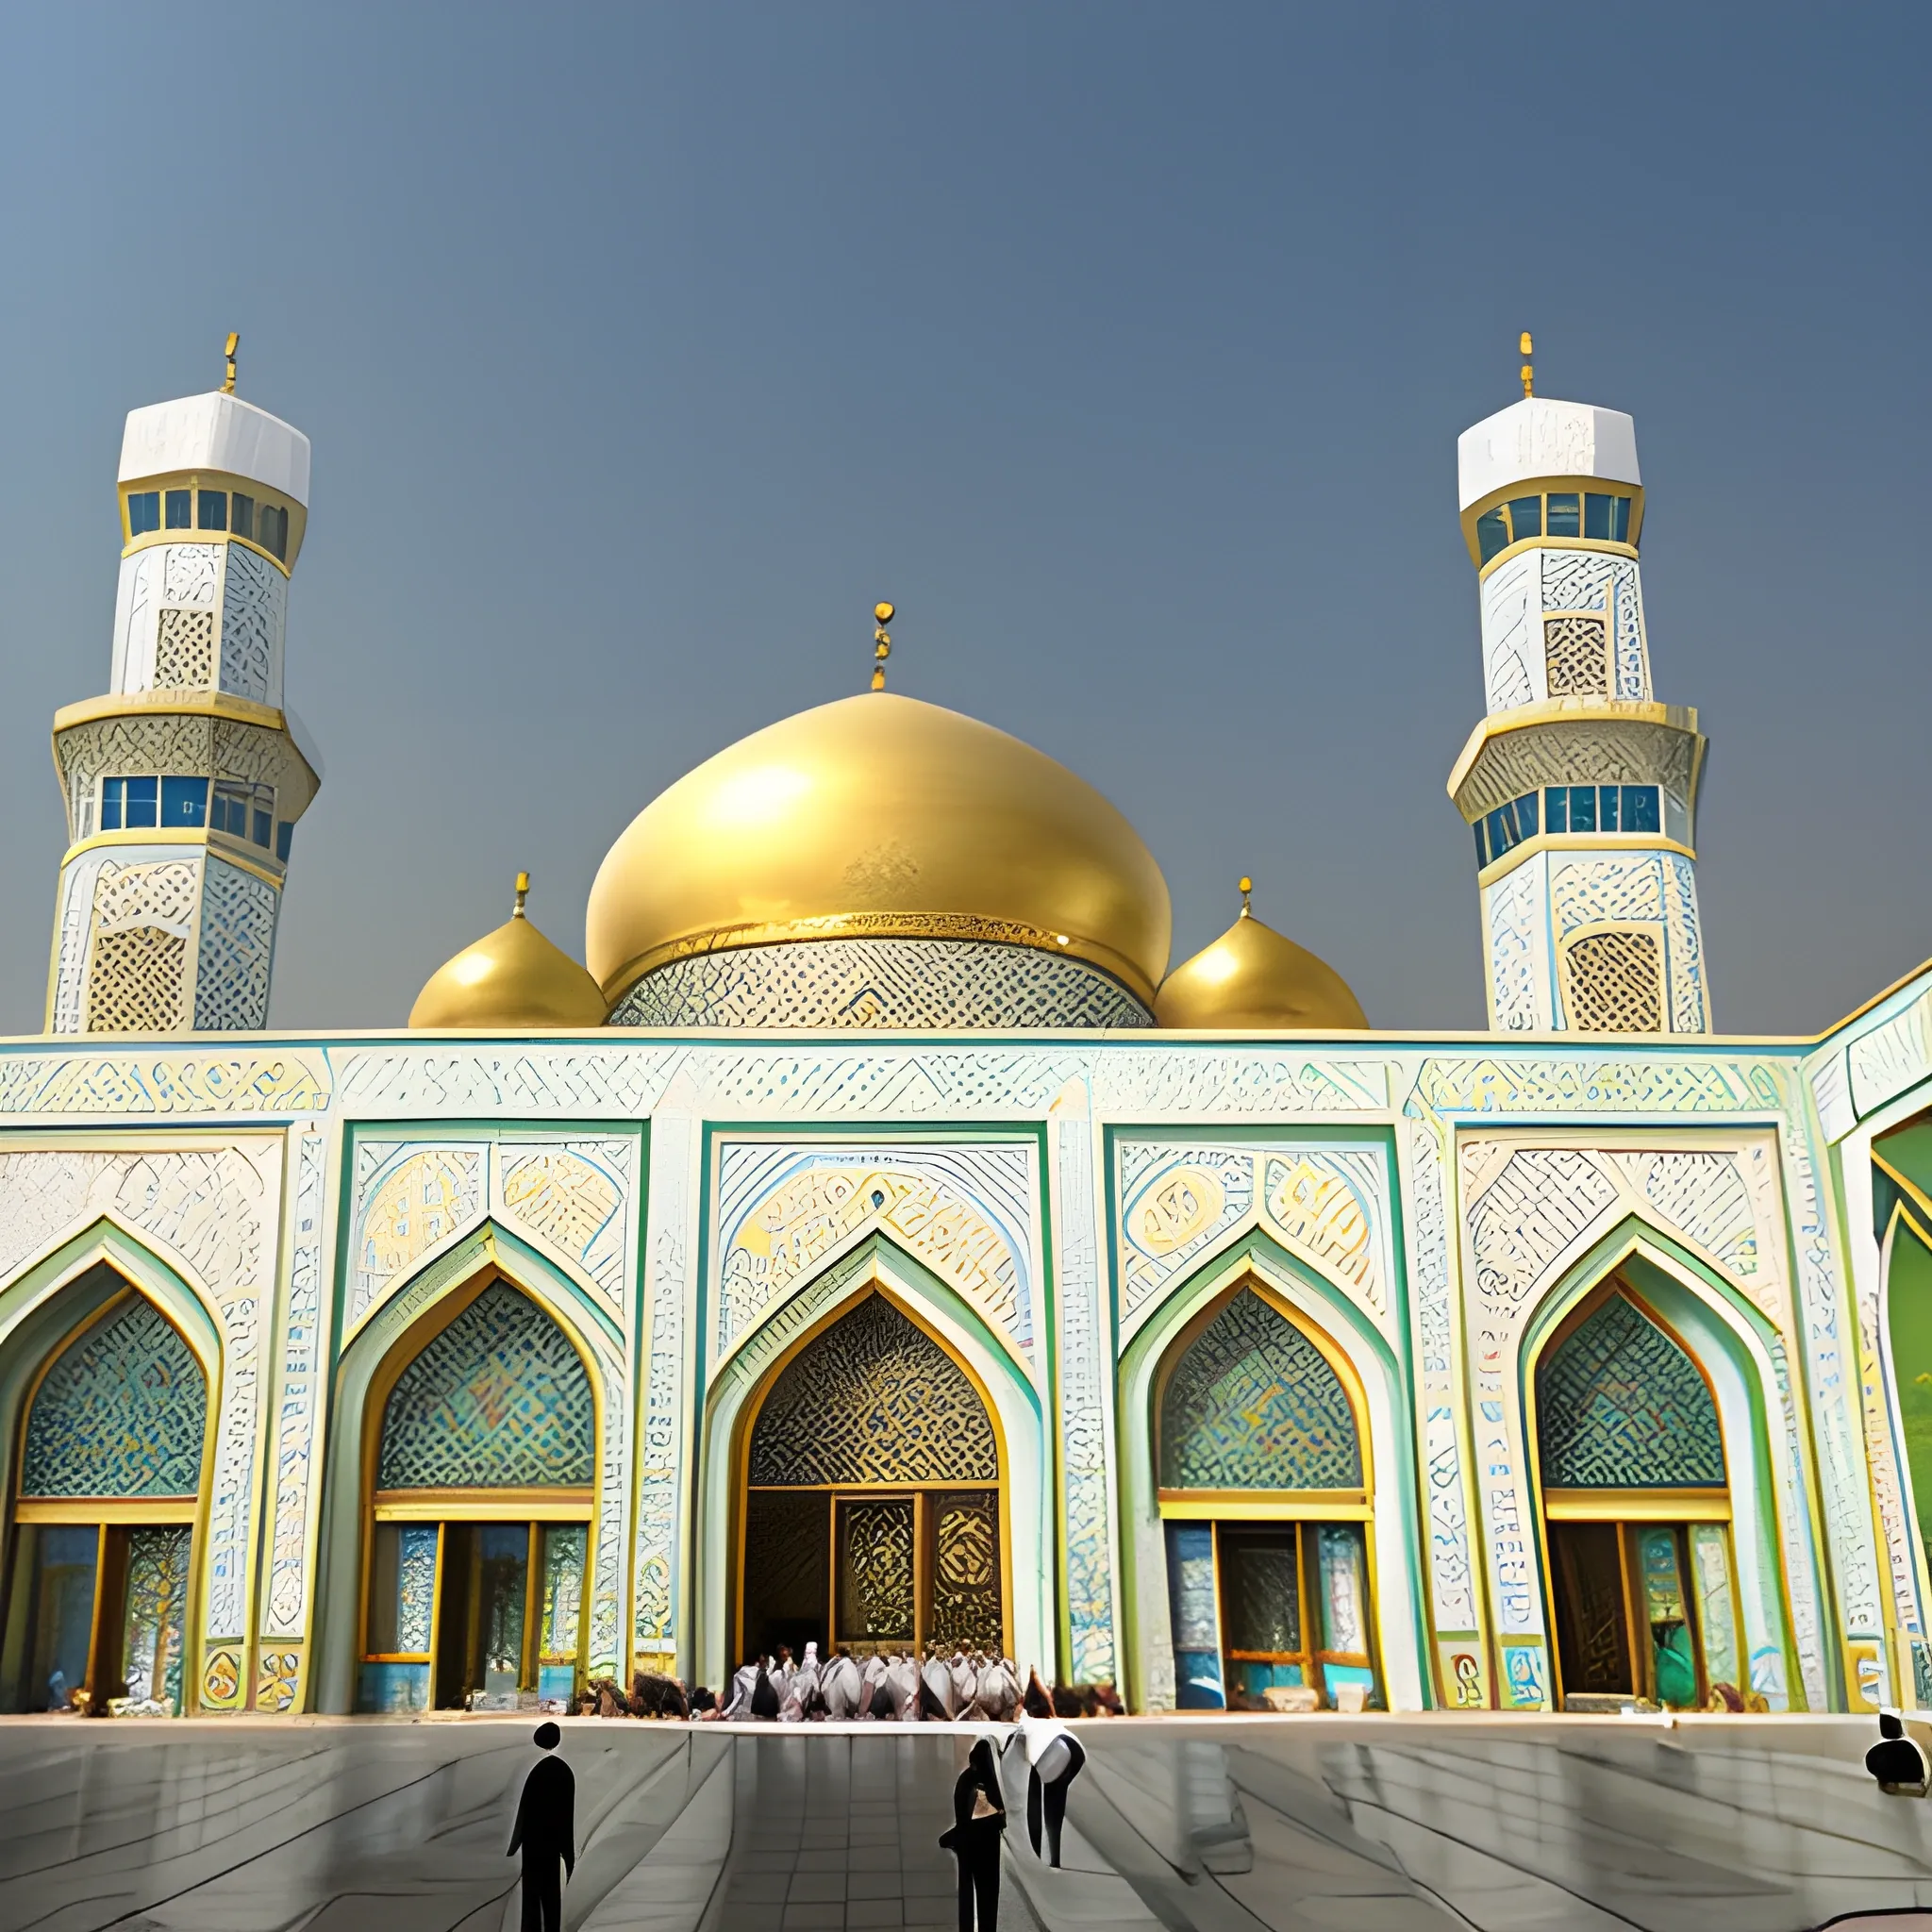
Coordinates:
285	832
273	523
1557	808
1526	518
241	515
1563	519
1620	521
1526	814
1596	517
1607	815
213	510
184	801
142	798
231	813
1583	807
264	828
143	512
1639	808
1492	533
180	508
111	798
1500	841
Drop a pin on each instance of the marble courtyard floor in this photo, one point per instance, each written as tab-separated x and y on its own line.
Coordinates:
1228	1825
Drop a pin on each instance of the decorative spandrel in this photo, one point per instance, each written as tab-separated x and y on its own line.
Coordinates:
123	1413
1621	1406
873	1400
1254	1405
498	1400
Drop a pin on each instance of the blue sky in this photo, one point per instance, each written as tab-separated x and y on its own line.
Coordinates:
1125	347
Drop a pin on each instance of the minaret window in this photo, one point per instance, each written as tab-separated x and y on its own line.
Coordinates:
1561	808
1564	518
213	510
128	803
143	512
180	504
1605	519
241	516
245	812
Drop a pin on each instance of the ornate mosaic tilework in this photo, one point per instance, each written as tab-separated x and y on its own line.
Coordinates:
424	1200
966	1212
883	982
237	952
498	1400
1513	912
1888	1057
190	573
160	1082
184	649
661	1435
1511	603
123	1413
1254	1405
1621	1406
255	601
301	1384
1180	1203
874	1399
573	1196
1613	981
143	918
1578	751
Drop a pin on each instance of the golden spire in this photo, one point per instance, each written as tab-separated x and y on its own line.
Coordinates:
1527	349
234	344
1247	892
881	644
517	912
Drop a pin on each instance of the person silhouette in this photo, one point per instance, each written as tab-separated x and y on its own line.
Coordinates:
979	1818
545	1832
1896	1760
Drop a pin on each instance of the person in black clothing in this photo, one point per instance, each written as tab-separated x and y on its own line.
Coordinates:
545	1832
979	1817
1896	1760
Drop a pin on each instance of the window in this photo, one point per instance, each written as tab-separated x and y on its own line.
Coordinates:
241	515
1562	808
284	833
184	801
128	803
273	530
180	505
143	512
1492	533
1527	517
1599	516
213	510
1583	807
1562	518
1639	808
245	811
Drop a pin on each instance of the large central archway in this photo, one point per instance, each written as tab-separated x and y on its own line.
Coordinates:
871	1507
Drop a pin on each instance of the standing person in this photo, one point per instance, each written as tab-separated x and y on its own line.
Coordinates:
545	1832
979	1818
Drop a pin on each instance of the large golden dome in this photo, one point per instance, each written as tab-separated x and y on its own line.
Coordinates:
1254	977
878	817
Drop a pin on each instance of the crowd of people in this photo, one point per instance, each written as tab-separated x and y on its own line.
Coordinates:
883	1687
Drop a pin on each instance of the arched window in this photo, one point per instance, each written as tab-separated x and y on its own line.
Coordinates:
1263	1485
109	1466
872	1508
1630	1455
479	1536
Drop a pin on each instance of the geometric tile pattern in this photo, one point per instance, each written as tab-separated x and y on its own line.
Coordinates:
498	1400
122	1413
238	943
1621	1406
1613	982
873	1400
1576	653
185	650
254	609
1254	1405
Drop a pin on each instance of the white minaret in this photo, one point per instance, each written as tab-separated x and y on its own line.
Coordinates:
183	784
1580	788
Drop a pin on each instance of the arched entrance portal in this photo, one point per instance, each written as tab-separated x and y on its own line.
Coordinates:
111	1460
1637	1506
1265	1492
479	1516
872	1511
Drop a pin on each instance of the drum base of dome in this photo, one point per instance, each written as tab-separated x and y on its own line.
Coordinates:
881	983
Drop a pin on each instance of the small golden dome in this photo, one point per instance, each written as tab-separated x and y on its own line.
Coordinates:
1254	977
878	816
510	977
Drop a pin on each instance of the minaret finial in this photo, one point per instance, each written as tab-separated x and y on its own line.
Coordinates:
881	644
1247	892
1527	349
234	344
516	911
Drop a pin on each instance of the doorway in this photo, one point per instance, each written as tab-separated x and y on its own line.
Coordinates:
1631	1622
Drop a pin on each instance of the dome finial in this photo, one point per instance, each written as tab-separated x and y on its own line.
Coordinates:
1527	349
1247	886
234	344
517	912
881	644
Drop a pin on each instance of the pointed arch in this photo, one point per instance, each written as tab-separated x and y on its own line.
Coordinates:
1340	1334
876	1266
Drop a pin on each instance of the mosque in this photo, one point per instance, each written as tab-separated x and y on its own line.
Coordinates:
876	1241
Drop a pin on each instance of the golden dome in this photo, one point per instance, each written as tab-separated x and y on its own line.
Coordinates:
1254	977
510	977
879	817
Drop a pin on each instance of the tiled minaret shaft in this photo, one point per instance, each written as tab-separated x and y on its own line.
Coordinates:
1579	787
184	782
